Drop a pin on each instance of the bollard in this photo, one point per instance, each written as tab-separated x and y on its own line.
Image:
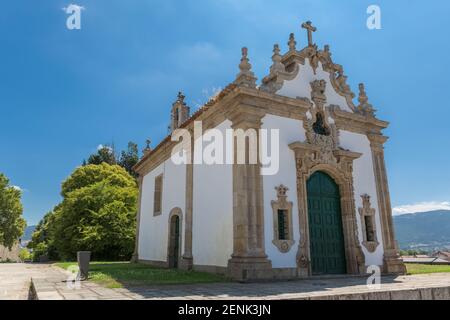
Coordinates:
83	257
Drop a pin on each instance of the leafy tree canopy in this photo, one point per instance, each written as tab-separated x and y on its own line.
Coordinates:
129	158
106	154
12	224
97	213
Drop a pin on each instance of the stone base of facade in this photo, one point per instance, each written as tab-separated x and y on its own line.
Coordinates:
249	268
186	263
260	269
134	258
156	264
394	265
211	269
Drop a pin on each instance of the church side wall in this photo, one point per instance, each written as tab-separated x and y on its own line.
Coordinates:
212	241
291	130
364	183
153	231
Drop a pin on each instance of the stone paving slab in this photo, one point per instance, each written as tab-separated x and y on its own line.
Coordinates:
49	283
419	287
53	285
15	279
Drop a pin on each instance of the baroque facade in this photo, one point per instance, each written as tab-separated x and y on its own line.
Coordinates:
325	211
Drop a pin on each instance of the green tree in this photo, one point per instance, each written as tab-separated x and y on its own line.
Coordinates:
42	240
12	224
129	158
24	255
103	154
97	213
106	154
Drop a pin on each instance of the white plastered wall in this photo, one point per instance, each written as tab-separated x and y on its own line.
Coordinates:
212	232
364	183
153	231
290	131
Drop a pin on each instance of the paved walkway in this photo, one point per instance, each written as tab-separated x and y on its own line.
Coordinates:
419	287
426	287
49	283
15	279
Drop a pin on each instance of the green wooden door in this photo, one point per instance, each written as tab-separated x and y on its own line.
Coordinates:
174	244
325	225
176	248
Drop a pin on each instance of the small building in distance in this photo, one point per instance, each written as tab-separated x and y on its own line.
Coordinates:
442	255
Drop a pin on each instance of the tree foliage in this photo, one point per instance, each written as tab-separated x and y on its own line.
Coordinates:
97	214
103	154
12	224
129	158
106	154
42	240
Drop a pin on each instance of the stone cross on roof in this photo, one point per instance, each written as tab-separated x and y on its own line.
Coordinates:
310	28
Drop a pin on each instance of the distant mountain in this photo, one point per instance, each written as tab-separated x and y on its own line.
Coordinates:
28	233
425	230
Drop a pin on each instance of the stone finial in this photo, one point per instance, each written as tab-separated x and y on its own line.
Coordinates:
292	43
364	106
147	148
245	65
362	99
277	65
180	97
310	29
281	191
276	50
246	77
366	201
180	112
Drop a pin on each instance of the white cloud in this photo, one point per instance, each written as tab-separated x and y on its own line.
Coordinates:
421	207
20	189
207	94
101	146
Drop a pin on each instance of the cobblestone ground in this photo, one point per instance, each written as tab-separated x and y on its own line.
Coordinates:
50	284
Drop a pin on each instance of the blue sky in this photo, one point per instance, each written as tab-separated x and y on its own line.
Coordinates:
62	92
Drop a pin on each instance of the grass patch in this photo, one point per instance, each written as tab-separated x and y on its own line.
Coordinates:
413	268
120	274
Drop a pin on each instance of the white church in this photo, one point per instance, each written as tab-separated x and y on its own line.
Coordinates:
326	210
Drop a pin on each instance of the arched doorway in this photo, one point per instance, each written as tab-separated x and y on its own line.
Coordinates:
326	238
174	242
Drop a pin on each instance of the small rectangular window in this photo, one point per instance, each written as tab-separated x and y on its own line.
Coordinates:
370	230
157	197
283	225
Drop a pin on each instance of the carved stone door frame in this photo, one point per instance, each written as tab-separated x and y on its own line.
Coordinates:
338	164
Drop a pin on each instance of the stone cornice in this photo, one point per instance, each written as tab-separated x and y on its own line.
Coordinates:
213	114
356	122
237	99
301	148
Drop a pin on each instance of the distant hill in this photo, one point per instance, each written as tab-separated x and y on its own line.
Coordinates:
425	230
28	233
